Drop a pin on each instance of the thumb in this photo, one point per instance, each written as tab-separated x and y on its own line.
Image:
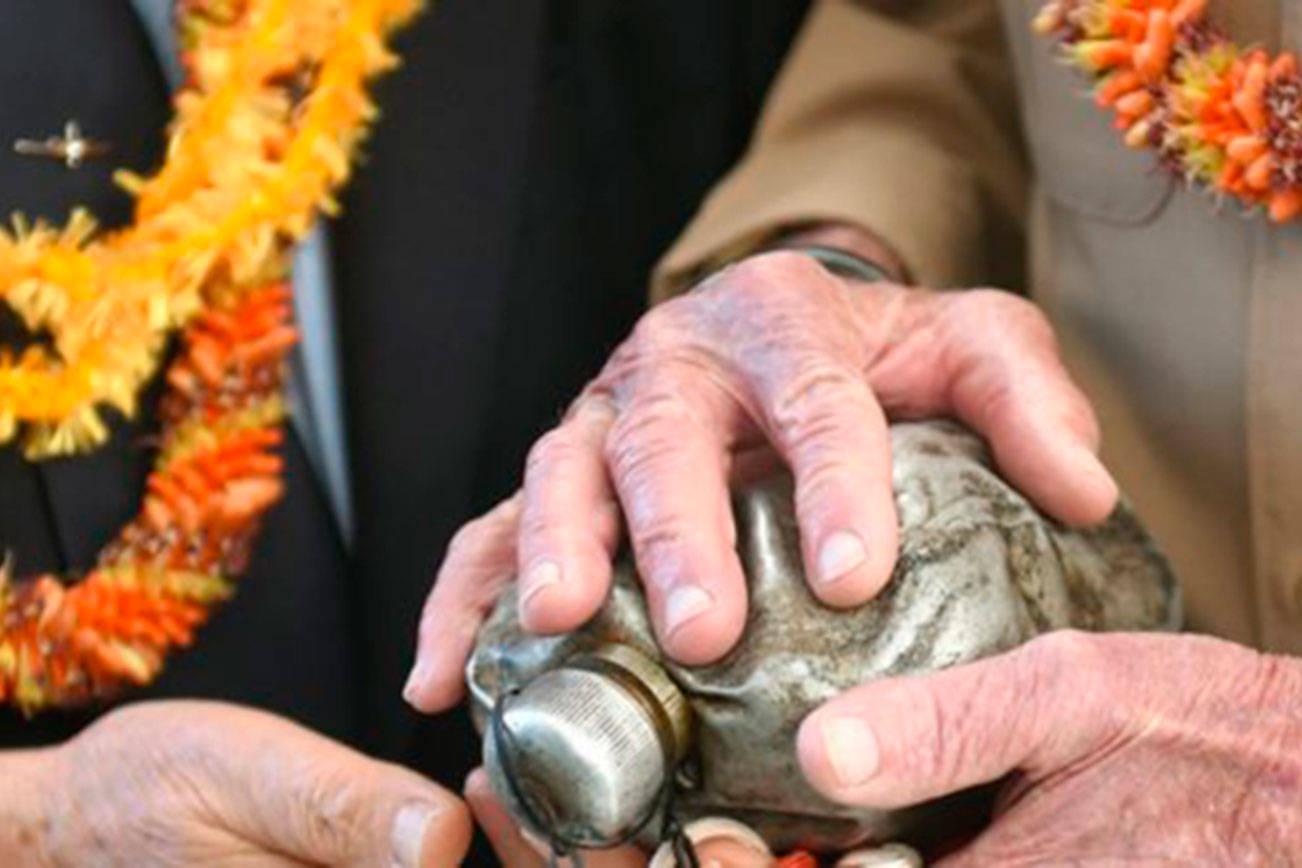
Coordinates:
479	565
900	741
406	822
510	846
514	850
316	800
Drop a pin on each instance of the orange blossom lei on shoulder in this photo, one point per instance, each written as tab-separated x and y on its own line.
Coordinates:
1219	115
264	130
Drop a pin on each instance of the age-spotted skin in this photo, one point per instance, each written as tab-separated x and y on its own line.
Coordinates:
980	571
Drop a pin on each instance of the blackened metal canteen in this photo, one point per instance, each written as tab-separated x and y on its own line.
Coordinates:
586	734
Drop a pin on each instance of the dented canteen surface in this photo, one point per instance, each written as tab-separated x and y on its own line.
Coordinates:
980	571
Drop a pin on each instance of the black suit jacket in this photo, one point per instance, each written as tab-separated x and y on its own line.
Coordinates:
533	159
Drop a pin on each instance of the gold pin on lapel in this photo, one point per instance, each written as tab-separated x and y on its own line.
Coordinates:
72	148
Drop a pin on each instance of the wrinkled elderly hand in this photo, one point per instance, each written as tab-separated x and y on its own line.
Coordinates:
720	843
772	352
198	783
1124	748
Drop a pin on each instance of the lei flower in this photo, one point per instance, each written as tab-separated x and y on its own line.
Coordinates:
274	106
1218	115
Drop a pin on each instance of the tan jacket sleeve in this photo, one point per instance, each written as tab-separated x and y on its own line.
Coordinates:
902	122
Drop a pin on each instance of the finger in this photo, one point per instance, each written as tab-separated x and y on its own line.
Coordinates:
262	860
569	523
512	850
824	419
900	741
503	834
480	562
731	853
312	799
407	822
721	842
667	457
1009	383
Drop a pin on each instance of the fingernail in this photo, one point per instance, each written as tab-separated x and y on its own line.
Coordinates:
540	577
416	680
407	840
684	604
841	553
851	750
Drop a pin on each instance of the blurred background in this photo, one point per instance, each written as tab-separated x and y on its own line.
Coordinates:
532	161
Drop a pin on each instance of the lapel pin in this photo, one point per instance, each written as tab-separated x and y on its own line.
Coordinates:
72	148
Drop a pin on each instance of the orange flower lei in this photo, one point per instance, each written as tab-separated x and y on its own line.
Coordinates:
1219	115
274	106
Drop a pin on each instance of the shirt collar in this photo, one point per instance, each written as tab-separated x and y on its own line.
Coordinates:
156	16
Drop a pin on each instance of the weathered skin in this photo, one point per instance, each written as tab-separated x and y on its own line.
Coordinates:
980	571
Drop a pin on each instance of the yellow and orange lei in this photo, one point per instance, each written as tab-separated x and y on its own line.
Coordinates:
274	106
1217	114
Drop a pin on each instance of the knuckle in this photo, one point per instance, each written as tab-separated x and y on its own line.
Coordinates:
539	529
955	730
816	401
1001	399
1000	301
1004	313
606	385
818	478
329	813
467	541
656	532
553	451
595	407
823	491
775	270
942	738
674	341
658	538
769	285
1015	392
647	432
663	324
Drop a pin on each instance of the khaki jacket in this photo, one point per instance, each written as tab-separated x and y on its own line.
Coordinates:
948	129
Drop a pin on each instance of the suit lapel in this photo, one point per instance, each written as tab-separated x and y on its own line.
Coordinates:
311	387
